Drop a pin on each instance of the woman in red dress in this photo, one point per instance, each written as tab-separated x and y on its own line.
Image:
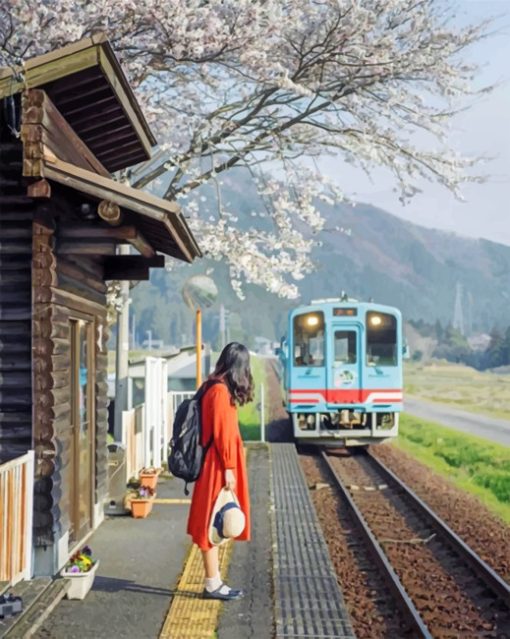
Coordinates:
224	464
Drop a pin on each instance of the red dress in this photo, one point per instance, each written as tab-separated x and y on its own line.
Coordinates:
219	418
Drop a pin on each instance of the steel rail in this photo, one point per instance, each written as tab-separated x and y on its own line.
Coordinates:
482	570
403	600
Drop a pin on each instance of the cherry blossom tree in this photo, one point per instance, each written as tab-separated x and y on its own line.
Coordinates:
271	86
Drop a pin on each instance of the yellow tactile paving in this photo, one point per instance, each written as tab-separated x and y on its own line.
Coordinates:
190	616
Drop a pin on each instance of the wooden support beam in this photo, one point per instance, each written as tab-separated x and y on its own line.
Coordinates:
121	233
86	247
41	188
142	246
131	267
80	231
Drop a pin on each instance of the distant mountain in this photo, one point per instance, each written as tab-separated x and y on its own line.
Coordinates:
419	270
385	258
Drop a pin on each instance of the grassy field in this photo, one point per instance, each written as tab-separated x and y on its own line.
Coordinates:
460	386
249	416
473	464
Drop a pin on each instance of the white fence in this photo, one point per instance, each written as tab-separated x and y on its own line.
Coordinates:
147	428
16	500
156	411
175	399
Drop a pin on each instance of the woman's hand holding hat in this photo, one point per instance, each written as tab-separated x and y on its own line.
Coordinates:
230	480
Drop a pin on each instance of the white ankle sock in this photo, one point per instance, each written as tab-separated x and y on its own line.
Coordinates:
214	583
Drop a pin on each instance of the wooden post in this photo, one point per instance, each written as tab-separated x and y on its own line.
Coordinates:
262	414
199	347
122	355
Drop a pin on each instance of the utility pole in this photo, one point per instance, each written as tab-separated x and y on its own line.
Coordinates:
227	324
222	327
122	354
199	346
458	315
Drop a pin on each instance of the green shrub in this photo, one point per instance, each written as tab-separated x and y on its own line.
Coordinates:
474	464
497	481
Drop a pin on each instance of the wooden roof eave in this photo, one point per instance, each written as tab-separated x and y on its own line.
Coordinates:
75	57
166	213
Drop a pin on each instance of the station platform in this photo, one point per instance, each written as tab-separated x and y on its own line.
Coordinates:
150	578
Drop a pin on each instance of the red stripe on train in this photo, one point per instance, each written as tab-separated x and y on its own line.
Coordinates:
344	395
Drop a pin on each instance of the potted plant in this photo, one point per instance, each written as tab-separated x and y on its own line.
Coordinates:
149	477
141	502
80	571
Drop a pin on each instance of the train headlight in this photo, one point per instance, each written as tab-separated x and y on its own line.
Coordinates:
312	320
375	320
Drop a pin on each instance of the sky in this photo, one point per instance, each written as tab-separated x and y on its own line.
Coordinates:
484	130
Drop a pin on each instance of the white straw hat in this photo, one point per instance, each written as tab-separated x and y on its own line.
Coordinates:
227	518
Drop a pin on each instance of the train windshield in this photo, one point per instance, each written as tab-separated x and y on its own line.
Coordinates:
381	339
309	339
345	347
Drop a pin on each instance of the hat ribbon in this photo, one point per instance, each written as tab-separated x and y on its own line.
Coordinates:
219	518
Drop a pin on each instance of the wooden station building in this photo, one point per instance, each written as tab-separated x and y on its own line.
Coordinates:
67	121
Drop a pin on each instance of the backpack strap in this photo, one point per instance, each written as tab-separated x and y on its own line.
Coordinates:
200	393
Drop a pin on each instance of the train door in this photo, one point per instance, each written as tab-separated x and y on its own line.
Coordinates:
344	364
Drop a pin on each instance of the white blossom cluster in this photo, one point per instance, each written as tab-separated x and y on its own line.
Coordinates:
269	84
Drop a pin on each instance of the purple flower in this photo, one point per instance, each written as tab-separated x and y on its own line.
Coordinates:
74	569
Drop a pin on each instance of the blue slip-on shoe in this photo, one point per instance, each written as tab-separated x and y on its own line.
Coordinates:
231	595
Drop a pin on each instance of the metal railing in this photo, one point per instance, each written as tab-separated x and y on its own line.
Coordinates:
16	501
175	399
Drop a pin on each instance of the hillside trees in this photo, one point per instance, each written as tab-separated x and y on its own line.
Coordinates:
271	86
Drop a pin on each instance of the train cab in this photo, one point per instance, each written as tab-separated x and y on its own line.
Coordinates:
343	371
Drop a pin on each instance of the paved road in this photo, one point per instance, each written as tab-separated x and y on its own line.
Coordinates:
497	430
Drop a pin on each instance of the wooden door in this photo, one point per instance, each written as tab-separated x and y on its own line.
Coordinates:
83	425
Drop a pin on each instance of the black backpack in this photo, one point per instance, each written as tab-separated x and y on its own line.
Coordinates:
185	451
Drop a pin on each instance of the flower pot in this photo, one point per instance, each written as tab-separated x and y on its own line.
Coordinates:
149	480
80	582
141	508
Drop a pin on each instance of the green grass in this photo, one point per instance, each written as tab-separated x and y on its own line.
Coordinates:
460	386
473	464
249	416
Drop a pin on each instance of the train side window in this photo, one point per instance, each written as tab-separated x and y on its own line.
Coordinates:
381	339
309	339
345	347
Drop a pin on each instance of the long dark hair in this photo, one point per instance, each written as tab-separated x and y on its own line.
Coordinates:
233	366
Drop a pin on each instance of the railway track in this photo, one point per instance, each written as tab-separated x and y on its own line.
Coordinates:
442	588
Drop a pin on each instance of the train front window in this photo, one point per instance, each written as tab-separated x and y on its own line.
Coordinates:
309	339
345	347
381	339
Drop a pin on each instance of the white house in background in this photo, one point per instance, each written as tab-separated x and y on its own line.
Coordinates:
181	366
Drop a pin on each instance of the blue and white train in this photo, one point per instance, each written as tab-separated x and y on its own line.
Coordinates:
342	371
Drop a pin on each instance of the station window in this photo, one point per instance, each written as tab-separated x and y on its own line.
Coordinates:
345	347
309	339
381	339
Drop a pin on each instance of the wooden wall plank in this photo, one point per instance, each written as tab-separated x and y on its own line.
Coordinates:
16	213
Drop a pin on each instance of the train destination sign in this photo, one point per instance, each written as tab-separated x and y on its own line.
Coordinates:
345	311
